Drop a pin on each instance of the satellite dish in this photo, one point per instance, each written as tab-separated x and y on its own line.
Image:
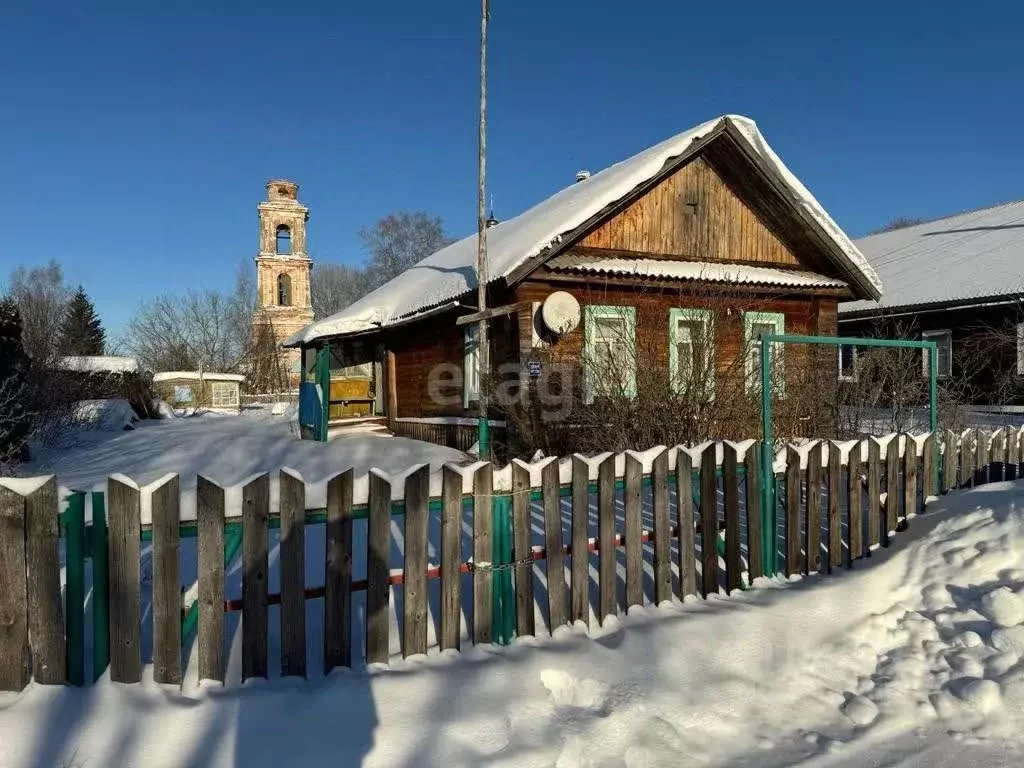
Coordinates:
560	312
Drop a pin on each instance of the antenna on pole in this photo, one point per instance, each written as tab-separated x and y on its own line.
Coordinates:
483	350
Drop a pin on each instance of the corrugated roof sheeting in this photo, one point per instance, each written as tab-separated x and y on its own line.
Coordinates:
714	272
973	255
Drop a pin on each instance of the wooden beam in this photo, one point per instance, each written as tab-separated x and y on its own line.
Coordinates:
487	314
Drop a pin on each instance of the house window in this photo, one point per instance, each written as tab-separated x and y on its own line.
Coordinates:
691	350
225	394
284	241
847	363
182	394
471	365
1020	349
609	351
284	290
755	324
944	341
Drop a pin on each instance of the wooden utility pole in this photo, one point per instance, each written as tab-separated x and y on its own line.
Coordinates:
483	348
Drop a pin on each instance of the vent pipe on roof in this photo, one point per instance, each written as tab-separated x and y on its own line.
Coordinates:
582	176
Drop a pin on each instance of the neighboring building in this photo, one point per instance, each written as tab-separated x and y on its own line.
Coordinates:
957	281
698	244
106	377
283	268
207	391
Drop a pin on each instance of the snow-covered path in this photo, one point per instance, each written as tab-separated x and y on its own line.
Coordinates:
912	659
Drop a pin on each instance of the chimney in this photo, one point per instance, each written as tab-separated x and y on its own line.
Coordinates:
582	176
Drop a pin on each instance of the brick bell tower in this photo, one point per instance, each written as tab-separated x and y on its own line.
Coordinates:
283	268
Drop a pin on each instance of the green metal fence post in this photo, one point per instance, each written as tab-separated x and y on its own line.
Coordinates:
100	588
767	455
74	596
503	616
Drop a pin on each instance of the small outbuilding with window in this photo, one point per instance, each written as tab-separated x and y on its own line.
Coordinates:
202	390
657	274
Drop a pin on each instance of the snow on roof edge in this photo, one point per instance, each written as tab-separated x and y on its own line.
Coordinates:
451	271
194	376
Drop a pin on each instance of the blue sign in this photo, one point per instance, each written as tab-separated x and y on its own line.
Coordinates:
534	367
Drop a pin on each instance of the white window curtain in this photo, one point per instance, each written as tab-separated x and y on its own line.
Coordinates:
691	350
944	343
470	365
755	324
609	351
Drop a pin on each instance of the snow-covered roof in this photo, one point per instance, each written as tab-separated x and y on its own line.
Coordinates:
194	376
451	271
714	272
100	364
969	256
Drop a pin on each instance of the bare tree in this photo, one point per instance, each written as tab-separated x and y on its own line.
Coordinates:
399	240
900	222
42	299
335	286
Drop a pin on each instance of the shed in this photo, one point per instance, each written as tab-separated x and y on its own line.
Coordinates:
200	389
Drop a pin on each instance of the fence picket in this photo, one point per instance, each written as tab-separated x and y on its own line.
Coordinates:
1012	456
125	574
166	584
255	565
814	474
687	532
378	582
966	458
751	463
210	545
731	503
792	511
521	549
950	461
417	498
929	484
74	588
662	549
14	646
709	521
580	540
483	525
293	575
451	558
557	611
338	573
633	524
606	538
891	508
855	523
835	501
909	478
874	492
981	458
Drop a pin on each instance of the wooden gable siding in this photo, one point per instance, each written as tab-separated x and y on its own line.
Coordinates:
720	227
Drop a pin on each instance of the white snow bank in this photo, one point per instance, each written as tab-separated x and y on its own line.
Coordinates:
892	663
451	272
111	415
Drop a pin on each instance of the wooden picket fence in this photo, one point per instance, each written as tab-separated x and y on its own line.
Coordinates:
669	522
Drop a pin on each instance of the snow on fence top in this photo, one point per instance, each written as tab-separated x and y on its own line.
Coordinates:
195	376
451	271
100	364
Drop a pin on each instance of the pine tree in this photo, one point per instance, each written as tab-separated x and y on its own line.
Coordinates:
81	332
14	362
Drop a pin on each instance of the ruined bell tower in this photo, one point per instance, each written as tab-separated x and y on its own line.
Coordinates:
283	268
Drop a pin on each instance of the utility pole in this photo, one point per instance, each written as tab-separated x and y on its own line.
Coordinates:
483	348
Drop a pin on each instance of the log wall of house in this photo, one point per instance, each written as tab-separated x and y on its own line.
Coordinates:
693	214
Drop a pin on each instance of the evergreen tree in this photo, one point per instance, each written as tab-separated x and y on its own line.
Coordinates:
14	362
81	332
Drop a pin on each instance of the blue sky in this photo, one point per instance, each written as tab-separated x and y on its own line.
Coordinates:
137	136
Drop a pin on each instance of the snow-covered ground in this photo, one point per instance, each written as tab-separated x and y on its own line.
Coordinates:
914	658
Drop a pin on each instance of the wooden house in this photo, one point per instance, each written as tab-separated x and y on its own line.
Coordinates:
957	281
203	390
105	377
706	236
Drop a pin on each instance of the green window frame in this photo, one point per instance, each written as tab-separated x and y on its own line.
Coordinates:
702	316
592	314
753	325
